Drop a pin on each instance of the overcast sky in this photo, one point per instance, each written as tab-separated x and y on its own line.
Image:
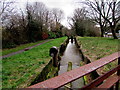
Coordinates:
67	6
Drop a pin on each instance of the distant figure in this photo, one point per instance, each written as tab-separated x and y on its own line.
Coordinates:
71	39
105	34
68	37
119	33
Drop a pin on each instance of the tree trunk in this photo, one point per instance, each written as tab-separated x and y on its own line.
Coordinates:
113	32
102	31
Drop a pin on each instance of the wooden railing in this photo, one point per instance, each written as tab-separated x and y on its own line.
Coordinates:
108	80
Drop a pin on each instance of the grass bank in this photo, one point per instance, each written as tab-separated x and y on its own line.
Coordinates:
98	47
20	47
19	70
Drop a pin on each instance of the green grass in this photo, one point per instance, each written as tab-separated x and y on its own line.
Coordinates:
22	46
19	70
97	47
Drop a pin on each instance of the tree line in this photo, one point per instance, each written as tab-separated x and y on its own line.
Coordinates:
105	13
35	22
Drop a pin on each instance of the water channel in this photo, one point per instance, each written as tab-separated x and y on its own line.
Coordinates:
72	55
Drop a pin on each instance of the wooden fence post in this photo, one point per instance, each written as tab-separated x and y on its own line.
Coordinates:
118	73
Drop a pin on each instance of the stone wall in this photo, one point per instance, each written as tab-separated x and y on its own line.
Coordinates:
93	75
49	70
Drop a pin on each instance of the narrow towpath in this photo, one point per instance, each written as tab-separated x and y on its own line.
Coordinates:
20	51
71	54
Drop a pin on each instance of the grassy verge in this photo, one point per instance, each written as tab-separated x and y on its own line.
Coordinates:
22	46
97	47
20	69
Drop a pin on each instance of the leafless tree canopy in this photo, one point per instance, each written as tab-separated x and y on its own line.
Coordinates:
82	23
103	12
5	6
57	14
35	22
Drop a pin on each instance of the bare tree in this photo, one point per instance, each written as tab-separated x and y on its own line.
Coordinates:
27	25
95	16
6	10
58	15
113	18
40	13
106	12
81	22
5	6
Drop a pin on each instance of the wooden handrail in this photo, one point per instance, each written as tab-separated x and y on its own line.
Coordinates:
75	74
109	82
101	78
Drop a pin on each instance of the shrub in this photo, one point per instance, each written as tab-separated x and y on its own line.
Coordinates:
59	34
8	44
44	35
52	35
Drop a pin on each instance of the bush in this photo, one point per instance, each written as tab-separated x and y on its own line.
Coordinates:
8	44
34	33
59	34
44	35
52	35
